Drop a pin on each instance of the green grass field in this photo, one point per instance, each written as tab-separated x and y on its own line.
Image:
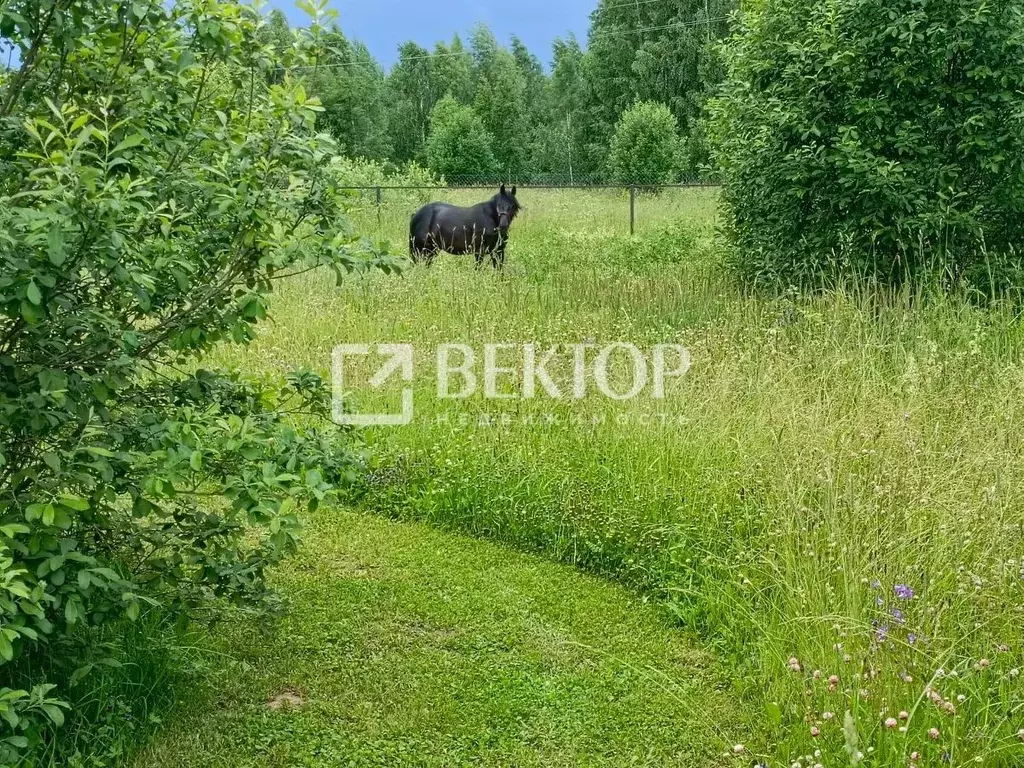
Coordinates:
407	646
830	501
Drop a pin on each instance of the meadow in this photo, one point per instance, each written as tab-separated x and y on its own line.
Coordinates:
829	501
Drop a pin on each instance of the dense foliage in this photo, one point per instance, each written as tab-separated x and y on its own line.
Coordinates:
458	144
158	172
352	110
554	125
654	51
884	138
645	146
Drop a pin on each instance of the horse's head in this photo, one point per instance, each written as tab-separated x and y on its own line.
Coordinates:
507	207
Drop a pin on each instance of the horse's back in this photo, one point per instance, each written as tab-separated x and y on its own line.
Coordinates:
423	220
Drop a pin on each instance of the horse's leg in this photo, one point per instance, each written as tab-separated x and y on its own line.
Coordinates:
498	254
430	249
431	245
478	247
417	248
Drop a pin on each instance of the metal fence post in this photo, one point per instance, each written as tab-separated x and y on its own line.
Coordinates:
378	208
632	211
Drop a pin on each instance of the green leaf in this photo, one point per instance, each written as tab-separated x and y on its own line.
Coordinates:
33	294
100	391
55	714
143	507
131	141
32	314
80	674
52	460
35	511
76	503
55	246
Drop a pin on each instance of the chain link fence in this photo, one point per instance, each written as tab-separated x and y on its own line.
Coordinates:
386	208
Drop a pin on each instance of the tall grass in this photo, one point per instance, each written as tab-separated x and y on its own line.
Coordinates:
120	680
826	458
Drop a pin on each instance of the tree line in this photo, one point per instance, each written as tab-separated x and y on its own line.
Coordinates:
480	110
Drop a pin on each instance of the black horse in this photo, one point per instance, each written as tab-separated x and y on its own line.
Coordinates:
481	229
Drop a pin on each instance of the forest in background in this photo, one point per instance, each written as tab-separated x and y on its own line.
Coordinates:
480	110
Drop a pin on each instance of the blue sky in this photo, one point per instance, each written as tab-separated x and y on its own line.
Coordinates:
384	24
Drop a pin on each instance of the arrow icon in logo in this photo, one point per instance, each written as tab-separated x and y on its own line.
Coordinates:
399	358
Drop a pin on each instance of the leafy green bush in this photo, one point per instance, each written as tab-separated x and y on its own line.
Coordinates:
358	177
646	148
153	186
877	137
459	147
357	172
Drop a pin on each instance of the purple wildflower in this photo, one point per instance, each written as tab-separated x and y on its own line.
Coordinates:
879	601
881	634
897	614
876	584
911	638
903	592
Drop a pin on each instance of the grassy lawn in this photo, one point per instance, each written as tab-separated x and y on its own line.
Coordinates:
407	646
830	499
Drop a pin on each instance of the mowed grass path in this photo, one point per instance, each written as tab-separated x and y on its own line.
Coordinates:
408	646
